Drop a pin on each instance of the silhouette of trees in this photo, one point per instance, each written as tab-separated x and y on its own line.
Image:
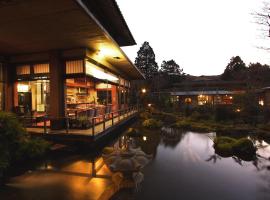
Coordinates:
171	68
259	75
146	61
235	70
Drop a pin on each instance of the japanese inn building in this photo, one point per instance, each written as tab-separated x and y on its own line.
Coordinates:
62	57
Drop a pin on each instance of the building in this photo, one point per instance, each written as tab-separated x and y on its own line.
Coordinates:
63	59
211	90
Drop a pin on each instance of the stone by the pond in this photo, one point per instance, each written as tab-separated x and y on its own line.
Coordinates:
126	161
226	147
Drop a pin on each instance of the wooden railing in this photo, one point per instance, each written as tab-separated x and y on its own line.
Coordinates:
99	120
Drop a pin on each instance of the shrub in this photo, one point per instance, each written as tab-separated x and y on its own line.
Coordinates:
15	143
224	113
184	124
226	146
244	146
152	123
167	118
32	148
145	115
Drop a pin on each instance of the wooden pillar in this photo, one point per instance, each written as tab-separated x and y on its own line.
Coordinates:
57	100
9	76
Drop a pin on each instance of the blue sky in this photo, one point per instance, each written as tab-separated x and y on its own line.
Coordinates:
201	36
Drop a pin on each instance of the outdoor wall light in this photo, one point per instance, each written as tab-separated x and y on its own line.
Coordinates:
238	110
143	90
144	138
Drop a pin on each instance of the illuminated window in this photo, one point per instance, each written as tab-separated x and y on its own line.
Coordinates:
23	70
204	99
74	67
261	102
33	95
41	69
187	100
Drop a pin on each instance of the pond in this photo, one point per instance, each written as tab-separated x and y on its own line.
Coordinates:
184	166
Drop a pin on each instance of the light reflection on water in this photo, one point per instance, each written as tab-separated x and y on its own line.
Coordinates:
185	166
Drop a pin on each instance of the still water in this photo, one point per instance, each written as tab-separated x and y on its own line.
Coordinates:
184	166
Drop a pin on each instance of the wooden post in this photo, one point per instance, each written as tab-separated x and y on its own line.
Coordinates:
57	97
104	125
93	126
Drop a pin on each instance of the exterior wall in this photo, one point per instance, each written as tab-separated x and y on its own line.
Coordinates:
267	99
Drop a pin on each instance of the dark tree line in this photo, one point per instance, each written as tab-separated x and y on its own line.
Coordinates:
145	61
256	74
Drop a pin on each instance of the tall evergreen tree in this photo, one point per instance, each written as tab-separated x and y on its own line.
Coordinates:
235	70
171	68
146	61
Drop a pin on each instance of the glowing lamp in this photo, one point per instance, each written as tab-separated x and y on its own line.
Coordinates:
143	90
97	72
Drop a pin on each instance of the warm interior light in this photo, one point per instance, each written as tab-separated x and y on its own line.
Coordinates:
143	90
261	102
97	72
149	105
144	138
22	88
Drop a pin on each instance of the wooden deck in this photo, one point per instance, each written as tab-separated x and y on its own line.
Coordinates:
92	134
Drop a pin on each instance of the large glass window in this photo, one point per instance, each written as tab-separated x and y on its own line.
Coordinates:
33	97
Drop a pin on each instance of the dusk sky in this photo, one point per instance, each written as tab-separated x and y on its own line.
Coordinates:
200	35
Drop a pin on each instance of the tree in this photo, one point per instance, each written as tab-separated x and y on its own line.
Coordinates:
262	18
259	74
171	68
235	70
146	62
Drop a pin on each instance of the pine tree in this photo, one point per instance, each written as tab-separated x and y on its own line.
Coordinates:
146	61
171	68
235	70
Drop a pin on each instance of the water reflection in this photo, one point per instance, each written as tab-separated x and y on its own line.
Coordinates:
184	166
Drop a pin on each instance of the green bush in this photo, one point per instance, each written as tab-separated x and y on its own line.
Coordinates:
152	123
244	146
145	115
15	144
183	124
32	148
167	118
226	146
224	113
203	112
